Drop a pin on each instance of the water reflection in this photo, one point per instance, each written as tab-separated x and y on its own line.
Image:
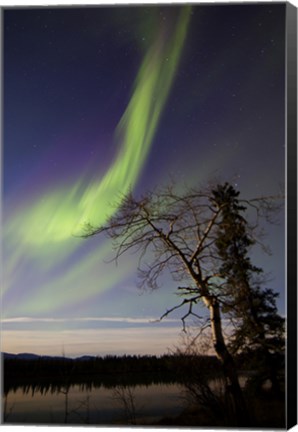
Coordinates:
87	404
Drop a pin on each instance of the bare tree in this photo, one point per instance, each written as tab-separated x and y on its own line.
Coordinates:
125	395
179	233
204	385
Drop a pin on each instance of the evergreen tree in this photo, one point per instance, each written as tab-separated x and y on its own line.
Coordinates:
260	330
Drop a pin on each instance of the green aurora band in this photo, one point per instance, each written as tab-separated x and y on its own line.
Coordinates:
65	211
45	231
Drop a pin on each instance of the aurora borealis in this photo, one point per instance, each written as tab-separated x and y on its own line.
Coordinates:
99	101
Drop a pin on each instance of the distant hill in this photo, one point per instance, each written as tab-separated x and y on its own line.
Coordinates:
85	358
29	356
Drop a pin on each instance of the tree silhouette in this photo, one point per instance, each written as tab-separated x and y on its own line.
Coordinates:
259	329
202	239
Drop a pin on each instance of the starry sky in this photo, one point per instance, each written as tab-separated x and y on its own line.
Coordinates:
99	101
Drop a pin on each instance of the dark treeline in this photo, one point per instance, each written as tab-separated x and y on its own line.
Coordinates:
42	375
54	373
51	374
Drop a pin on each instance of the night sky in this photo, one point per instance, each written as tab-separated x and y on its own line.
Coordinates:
99	101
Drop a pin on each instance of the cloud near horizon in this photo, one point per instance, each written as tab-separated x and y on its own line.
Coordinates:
145	320
98	342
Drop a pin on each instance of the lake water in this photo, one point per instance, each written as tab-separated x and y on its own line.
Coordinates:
96	405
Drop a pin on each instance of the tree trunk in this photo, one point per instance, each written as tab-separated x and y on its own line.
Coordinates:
233	388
